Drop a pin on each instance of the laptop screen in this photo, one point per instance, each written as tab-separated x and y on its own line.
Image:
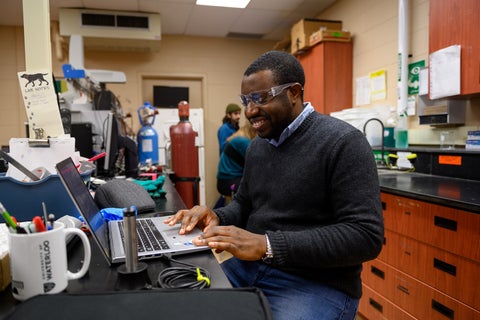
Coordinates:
73	182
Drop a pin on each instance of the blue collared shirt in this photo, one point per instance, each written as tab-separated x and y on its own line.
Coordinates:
293	126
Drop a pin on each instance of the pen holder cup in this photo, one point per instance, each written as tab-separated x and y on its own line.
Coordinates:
23	200
38	261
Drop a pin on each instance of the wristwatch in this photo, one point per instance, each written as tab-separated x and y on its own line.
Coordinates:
268	257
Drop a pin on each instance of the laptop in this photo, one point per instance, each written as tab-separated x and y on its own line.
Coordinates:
156	240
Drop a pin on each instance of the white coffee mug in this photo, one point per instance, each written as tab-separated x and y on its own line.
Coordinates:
38	261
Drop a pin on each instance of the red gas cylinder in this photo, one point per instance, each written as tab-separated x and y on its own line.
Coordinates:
185	157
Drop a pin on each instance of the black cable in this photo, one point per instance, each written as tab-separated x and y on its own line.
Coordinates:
187	277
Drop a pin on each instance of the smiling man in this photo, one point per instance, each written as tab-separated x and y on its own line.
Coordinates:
307	212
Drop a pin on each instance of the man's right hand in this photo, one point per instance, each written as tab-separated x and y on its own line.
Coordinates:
200	216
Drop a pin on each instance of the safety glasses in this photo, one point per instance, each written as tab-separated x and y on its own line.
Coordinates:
264	96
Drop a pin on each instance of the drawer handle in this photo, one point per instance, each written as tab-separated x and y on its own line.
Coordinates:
375	304
445	267
445	223
403	289
447	312
379	273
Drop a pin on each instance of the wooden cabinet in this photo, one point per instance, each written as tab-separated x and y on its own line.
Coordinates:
429	265
375	306
328	76
453	22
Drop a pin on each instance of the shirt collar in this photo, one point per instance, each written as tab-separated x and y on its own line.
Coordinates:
288	131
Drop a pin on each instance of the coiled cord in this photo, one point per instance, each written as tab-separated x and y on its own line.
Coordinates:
187	277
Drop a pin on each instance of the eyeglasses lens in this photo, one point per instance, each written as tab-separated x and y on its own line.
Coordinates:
262	97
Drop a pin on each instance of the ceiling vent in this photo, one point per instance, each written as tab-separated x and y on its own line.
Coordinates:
112	30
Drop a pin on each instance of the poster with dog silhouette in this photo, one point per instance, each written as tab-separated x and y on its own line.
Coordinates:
41	105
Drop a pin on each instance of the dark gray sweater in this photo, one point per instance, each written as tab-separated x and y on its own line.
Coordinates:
318	199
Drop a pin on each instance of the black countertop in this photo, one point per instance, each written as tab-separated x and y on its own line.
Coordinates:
457	193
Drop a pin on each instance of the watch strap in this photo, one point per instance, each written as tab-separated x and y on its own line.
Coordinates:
268	257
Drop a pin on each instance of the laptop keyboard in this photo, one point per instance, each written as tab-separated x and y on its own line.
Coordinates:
149	238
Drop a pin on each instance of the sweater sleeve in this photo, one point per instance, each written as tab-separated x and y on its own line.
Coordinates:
237	211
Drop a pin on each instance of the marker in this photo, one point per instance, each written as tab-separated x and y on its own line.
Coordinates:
98	156
51	218
11	221
21	229
39	226
7	217
31	228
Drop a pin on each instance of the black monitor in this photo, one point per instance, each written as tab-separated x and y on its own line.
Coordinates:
83	134
110	142
169	97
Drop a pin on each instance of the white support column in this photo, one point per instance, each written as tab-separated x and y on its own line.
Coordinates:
403	37
36	24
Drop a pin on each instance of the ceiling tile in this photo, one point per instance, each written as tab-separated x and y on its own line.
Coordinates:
174	17
184	17
211	21
257	21
280	5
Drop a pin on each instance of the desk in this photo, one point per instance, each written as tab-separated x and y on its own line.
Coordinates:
102	278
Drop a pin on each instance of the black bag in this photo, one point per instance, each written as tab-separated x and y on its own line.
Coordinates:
170	304
123	194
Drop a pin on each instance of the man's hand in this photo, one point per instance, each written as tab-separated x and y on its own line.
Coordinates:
199	216
239	242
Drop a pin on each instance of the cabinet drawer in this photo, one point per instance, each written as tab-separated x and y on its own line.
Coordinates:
375	307
450	229
442	270
415	297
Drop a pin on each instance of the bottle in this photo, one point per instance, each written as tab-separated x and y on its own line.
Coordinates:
130	231
390	124
401	132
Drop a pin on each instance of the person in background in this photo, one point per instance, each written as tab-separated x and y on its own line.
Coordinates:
127	148
307	213
232	160
230	124
104	99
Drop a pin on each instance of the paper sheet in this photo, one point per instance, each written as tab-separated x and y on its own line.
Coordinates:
423	79
378	85
34	157
41	104
445	72
362	96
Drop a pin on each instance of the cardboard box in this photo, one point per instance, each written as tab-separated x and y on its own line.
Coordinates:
329	35
301	31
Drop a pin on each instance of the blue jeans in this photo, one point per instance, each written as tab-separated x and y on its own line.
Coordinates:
290	296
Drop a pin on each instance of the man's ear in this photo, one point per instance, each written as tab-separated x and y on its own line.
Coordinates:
296	91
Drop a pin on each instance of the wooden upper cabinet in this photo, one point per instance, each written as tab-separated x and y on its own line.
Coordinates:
328	76
455	22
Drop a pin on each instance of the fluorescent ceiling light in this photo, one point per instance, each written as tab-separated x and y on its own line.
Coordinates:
224	3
